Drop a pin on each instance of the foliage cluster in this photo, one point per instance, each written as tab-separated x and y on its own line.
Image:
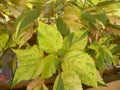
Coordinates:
70	40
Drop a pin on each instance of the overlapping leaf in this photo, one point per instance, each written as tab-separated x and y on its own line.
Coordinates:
89	17
3	40
83	66
25	19
104	55
62	27
68	81
50	40
29	65
76	40
71	17
58	84
50	65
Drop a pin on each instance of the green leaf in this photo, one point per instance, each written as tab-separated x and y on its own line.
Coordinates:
114	48
11	42
70	80
50	65
58	84
61	52
103	55
3	40
94	46
104	40
83	66
25	19
76	40
107	55
88	17
50	40
100	80
29	64
100	61
101	16
62	27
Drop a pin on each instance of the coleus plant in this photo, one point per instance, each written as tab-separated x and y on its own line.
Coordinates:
74	39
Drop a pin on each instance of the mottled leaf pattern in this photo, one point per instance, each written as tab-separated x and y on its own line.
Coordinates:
3	40
29	65
83	65
76	40
50	65
25	19
50	40
71	81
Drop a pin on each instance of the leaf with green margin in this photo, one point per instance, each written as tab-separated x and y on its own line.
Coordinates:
100	60
70	80
83	65
25	19
114	48
94	46
88	17
100	80
76	40
50	40
103	55
58	84
62	27
50	65
108	57
101	16
29	64
3	40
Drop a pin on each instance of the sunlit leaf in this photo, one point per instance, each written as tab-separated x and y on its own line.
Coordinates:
70	81
3	40
76	40
94	46
82	65
50	65
100	80
25	19
50	40
58	84
28	58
